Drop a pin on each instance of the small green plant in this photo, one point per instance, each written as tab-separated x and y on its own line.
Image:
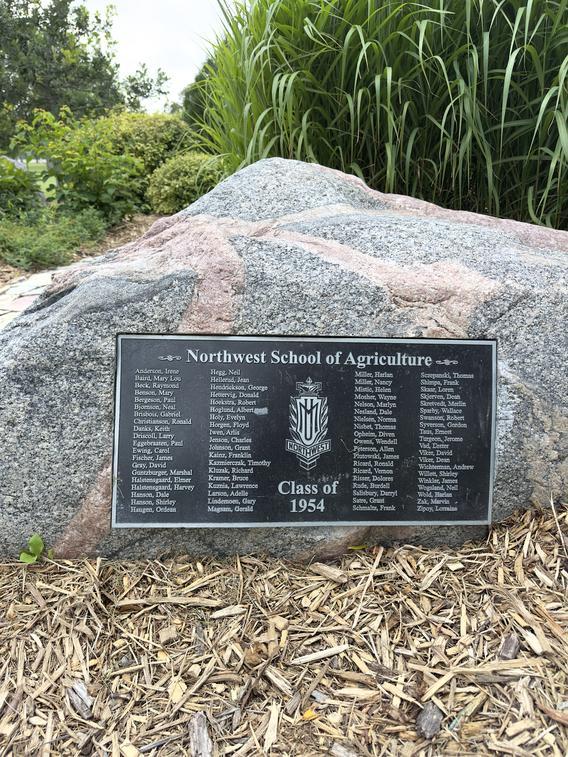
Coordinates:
35	550
183	179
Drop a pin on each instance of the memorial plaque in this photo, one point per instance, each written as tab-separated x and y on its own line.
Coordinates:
221	431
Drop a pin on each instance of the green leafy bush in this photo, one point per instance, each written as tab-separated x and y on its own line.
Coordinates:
81	157
105	163
152	138
46	238
19	189
182	179
460	102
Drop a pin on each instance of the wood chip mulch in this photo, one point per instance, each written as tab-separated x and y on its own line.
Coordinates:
400	651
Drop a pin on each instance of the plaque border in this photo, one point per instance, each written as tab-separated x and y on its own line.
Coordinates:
318	338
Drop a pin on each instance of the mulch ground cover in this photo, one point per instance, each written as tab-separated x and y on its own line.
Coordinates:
399	651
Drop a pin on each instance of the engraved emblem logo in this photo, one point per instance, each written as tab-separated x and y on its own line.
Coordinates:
308	424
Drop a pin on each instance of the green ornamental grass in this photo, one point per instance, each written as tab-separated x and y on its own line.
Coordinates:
460	102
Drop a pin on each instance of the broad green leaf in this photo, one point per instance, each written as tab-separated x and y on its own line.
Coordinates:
25	557
35	545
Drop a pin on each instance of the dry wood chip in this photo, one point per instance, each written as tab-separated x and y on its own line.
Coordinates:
200	743
279	622
168	634
353	677
533	641
228	612
272	639
356	692
321	655
559	717
339	750
398	692
439	684
519	726
271	734
469	710
46	748
502	747
130	605
510	647
128	750
50	679
80	700
176	690
293	704
329	571
276	678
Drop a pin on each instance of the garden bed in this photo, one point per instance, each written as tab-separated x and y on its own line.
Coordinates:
126	231
262	656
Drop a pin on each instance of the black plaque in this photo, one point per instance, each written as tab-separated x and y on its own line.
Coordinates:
277	431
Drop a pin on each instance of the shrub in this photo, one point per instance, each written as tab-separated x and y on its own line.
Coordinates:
460	102
19	189
81	158
46	237
181	180
106	162
152	138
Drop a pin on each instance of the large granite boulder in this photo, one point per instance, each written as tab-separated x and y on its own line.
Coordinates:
288	248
